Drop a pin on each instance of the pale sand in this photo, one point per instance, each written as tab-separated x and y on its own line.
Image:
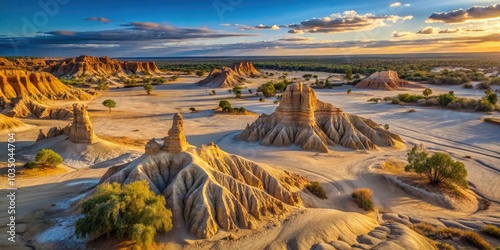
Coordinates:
139	116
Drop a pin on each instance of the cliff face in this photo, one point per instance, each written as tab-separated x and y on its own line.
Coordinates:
228	77
22	93
385	80
303	120
207	188
95	66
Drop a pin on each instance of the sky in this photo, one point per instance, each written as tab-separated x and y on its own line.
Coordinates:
162	28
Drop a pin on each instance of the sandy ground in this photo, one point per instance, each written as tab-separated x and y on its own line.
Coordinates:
139	117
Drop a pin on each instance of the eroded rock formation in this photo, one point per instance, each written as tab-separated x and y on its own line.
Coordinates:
79	131
96	66
8	123
207	188
245	69
228	77
303	120
26	106
385	80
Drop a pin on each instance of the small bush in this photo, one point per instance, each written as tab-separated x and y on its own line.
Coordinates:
410	98
363	198
30	165
48	157
468	86
225	105
474	239
193	110
261	99
491	230
316	188
214	93
412	110
388	99
483	85
276	101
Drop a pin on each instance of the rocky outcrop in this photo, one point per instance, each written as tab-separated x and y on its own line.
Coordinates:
385	80
303	120
8	123
207	188
81	130
245	69
222	78
22	93
25	106
228	77
38	85
98	66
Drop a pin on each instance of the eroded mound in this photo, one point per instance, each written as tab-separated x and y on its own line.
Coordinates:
26	106
228	77
207	188
96	66
385	80
8	123
303	120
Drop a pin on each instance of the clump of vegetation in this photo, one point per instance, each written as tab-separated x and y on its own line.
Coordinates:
410	97
445	99
130	211
148	88
438	168
349	91
261	99
386	127
468	85
363	198
375	100
225	106
276	101
427	92
442	233
102	84
237	90
214	93
200	73
483	85
193	110
267	89
45	158
491	230
316	188
109	104
174	78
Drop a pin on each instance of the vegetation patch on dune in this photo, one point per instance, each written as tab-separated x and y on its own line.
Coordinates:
451	235
316	188
363	198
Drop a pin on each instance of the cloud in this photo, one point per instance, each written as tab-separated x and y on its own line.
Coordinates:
402	34
260	27
461	16
98	19
449	31
475	30
398	4
296	32
296	39
395	5
346	22
225	24
427	30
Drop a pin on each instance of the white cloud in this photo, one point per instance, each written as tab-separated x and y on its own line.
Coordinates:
395	5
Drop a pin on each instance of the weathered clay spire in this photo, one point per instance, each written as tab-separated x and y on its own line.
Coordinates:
175	142
81	131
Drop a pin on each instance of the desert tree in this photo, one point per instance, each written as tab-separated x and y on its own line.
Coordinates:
48	157
438	167
225	105
149	88
109	104
427	92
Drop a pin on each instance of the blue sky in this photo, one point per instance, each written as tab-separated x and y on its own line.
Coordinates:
243	27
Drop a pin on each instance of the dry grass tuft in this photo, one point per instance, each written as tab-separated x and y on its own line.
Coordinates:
474	239
443	233
363	198
491	230
316	188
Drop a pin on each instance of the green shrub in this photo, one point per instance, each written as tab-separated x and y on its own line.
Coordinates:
409	97
214	93
225	105
427	92
109	104
149	88
316	188
363	198
48	157
445	99
193	110
261	99
491	230
468	86
267	89
483	85
388	99
437	168
130	211
30	165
